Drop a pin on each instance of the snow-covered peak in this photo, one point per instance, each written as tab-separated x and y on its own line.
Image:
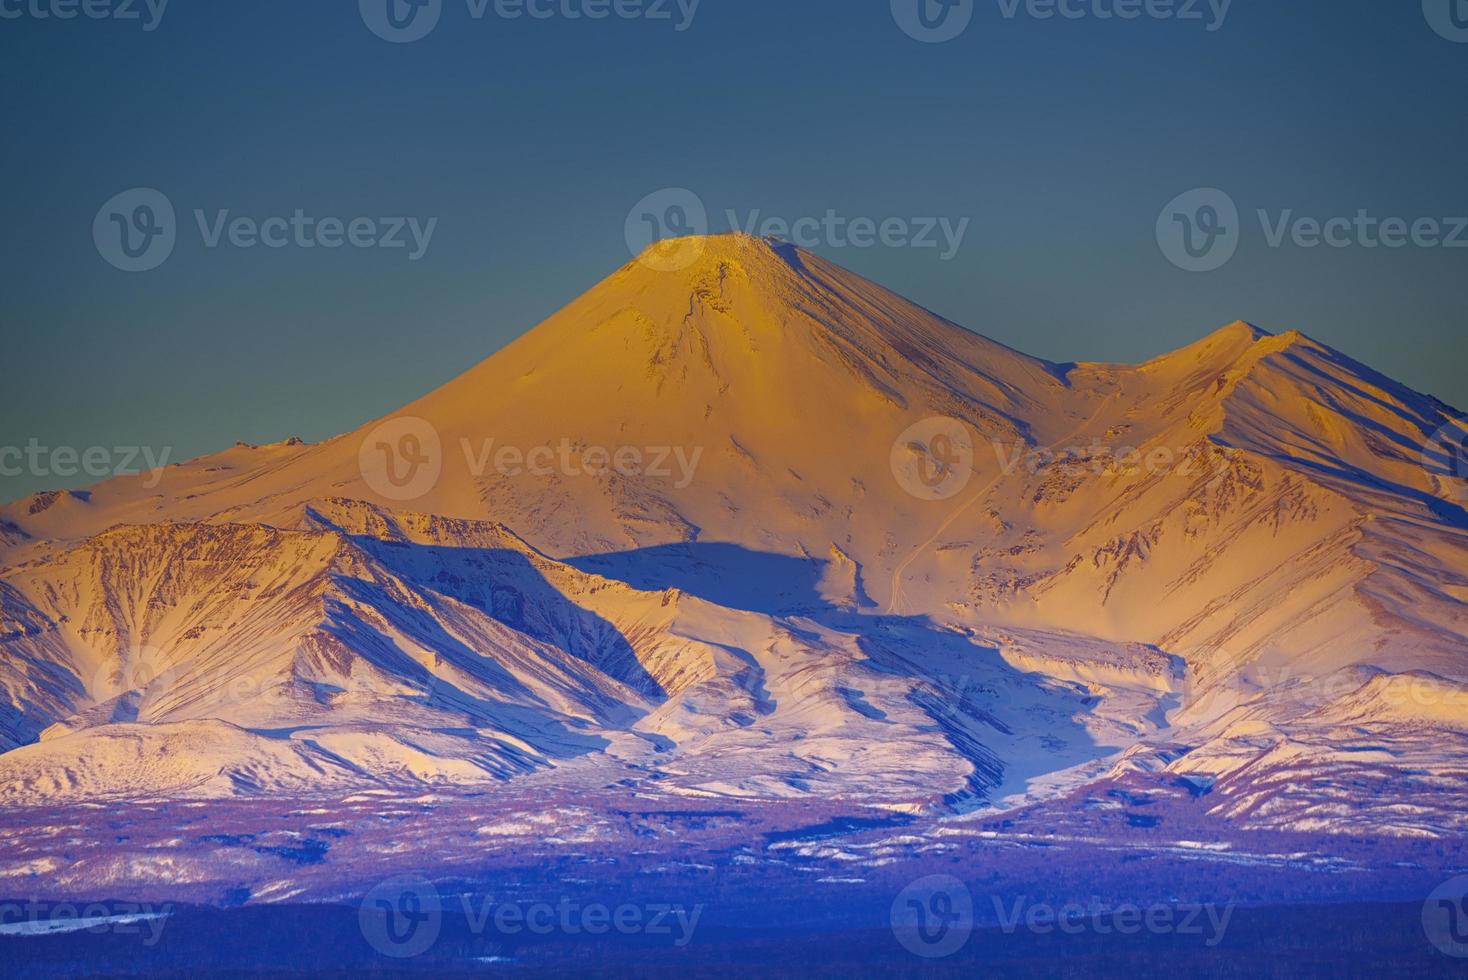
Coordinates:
770	593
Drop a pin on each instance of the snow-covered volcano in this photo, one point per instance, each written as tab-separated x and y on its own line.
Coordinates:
739	523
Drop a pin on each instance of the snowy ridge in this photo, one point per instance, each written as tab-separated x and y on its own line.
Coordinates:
1243	562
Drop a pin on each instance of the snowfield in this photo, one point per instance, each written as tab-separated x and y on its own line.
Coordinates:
1230	581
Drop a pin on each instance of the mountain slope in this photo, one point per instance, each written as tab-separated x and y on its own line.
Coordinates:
395	648
1177	565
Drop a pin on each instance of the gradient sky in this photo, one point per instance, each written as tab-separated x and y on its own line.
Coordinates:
1060	140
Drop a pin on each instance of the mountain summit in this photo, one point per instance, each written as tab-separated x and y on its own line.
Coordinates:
745	524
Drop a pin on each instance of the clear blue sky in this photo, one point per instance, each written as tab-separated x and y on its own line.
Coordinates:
529	140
